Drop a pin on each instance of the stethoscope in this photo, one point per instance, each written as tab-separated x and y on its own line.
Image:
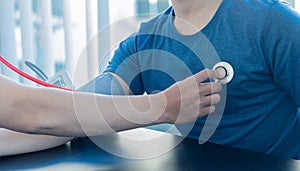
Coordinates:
225	72
29	77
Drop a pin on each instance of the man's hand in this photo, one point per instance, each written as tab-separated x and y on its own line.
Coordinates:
191	98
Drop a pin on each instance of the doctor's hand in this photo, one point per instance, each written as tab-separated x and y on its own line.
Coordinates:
190	99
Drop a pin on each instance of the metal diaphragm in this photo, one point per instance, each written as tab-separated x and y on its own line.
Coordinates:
225	72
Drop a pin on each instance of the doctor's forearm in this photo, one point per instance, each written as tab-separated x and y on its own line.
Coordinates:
72	114
52	111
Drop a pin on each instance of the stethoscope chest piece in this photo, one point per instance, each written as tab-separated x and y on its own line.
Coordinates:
225	72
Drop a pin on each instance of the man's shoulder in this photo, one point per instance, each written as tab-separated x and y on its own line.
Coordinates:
261	4
159	17
253	11
255	4
156	23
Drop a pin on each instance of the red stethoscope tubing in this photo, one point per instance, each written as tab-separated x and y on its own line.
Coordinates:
29	77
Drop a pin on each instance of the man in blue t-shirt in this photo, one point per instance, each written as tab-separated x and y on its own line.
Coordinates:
260	39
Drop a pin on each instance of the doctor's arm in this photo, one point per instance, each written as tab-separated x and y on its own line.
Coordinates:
62	113
12	142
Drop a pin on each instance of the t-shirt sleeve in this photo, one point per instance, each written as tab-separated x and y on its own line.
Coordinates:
281	47
125	63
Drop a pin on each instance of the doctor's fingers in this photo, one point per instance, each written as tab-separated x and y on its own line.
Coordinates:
209	100
205	75
209	88
206	110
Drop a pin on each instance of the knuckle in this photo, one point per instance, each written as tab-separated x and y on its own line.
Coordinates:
216	87
205	72
204	101
202	112
216	98
201	89
211	73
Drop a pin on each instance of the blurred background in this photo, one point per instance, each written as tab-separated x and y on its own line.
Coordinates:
53	33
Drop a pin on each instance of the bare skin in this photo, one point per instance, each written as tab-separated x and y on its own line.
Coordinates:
52	112
191	16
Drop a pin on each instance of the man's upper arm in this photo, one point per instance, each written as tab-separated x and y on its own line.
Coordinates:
125	86
281	48
122	75
125	65
107	83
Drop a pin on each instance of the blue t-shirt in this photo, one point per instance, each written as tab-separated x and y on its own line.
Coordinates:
259	38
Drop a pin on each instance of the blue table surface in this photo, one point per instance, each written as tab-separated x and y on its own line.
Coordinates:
83	154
